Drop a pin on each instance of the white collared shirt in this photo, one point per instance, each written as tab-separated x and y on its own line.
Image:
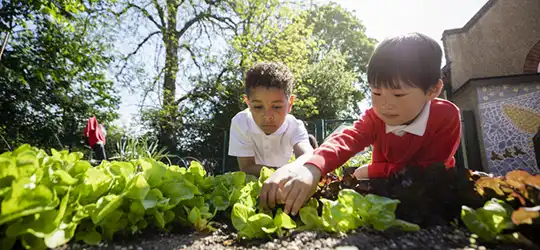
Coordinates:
417	127
246	139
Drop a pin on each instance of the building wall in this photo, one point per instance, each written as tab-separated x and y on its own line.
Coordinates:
510	116
497	43
467	99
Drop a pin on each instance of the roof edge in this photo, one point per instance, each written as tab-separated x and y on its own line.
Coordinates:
472	21
486	80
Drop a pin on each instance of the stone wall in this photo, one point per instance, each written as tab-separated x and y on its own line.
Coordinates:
497	41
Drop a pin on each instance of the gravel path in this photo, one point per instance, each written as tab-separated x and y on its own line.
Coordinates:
441	237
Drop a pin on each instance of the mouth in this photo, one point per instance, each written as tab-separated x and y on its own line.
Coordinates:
391	116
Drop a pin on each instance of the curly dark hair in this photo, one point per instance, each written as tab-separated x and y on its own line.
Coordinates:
269	75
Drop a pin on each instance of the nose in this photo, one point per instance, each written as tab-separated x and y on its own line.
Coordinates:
387	104
268	116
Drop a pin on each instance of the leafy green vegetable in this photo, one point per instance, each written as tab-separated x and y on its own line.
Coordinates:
47	200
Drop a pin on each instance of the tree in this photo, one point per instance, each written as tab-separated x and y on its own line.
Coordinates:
52	79
181	26
269	31
340	31
331	85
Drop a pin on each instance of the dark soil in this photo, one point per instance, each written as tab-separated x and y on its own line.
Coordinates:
440	237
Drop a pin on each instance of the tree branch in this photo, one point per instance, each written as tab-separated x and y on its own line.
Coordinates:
193	56
161	14
136	50
190	23
143	11
226	20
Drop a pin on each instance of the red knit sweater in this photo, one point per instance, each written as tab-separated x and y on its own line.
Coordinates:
391	152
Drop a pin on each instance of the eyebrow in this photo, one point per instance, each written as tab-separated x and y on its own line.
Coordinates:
276	101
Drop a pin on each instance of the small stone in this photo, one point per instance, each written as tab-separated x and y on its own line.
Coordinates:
270	245
293	248
346	248
481	248
140	248
124	248
130	247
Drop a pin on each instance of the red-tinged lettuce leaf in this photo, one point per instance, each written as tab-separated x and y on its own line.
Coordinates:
526	215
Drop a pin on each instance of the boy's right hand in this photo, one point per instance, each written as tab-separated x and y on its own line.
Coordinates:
297	184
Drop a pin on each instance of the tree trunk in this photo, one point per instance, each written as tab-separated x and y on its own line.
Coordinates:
168	118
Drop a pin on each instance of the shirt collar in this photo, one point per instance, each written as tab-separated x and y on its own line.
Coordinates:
417	127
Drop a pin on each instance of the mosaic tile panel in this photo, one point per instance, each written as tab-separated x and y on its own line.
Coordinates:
510	116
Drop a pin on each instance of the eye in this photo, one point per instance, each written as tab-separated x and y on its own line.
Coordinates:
258	107
400	95
377	94
278	107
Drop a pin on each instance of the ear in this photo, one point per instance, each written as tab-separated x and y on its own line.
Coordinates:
246	100
291	102
435	91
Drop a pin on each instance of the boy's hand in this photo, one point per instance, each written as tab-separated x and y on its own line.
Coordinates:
361	172
291	184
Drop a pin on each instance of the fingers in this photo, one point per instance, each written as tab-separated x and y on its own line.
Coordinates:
300	200
291	192
269	192
272	194
263	197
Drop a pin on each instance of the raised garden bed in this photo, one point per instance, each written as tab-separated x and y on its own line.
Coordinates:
438	237
60	201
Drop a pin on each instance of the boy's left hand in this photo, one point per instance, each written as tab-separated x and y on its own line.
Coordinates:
291	185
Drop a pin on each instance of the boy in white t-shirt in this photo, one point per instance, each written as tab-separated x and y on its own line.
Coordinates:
265	134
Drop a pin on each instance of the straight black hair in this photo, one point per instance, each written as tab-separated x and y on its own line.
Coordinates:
413	59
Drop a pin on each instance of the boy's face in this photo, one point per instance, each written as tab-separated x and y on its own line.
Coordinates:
269	107
401	106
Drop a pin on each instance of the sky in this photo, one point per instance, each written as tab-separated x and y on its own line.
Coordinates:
382	18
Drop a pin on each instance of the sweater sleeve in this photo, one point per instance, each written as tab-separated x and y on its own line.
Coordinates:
340	147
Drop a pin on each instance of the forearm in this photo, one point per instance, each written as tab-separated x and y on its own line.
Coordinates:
302	159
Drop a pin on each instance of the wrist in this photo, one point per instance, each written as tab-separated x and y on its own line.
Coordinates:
314	170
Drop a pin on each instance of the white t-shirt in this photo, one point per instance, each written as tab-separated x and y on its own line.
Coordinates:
246	139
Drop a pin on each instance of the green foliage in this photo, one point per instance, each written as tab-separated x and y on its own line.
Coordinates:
17	12
511	212
339	29
52	79
48	200
275	31
132	148
348	212
330	101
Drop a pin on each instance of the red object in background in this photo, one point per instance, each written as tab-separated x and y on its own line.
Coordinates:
93	132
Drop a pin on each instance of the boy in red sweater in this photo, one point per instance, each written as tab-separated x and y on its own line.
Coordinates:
407	124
